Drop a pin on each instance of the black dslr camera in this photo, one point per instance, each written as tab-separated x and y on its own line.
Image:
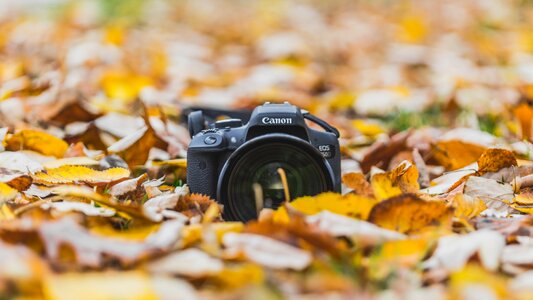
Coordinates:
260	164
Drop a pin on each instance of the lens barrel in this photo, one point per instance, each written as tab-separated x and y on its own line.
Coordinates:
251	180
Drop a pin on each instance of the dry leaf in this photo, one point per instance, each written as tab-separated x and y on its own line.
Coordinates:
15	179
116	285
90	249
467	207
455	154
38	141
85	208
495	195
266	251
493	160
454	251
70	161
409	214
135	147
524	114
380	153
357	182
190	262
360	231
75	174
402	179
128	186
19	162
7	193
349	205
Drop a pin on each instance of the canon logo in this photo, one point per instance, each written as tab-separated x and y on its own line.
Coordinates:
281	121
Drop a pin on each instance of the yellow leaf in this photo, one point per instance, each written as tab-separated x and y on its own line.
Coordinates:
412	29
482	280
368	128
397	254
240	275
455	154
114	35
342	101
38	141
402	179
348	205
524	198
467	207
7	193
124	86
408	214
99	286
75	174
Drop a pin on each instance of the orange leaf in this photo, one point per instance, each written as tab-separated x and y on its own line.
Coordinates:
409	214
38	141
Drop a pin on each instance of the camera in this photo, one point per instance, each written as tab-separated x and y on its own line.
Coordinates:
272	158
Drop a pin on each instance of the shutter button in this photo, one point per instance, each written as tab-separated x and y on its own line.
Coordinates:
210	140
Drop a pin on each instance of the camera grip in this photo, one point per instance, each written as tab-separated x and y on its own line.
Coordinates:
202	173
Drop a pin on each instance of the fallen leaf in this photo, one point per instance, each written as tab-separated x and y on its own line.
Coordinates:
135	147
7	193
190	263
360	231
266	251
114	285
467	207
74	174
455	154
85	208
19	162
524	114
70	161
495	195
380	153
128	187
454	251
358	183
402	179
38	141
17	180
409	214
349	205
494	159
90	249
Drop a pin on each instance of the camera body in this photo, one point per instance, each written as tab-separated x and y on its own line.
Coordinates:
212	150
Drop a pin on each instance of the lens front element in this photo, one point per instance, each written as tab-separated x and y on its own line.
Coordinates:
254	181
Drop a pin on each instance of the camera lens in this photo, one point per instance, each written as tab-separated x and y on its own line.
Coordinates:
253	180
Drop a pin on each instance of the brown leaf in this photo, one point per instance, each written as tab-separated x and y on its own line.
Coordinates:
409	214
380	153
15	179
88	134
493	160
357	182
134	148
